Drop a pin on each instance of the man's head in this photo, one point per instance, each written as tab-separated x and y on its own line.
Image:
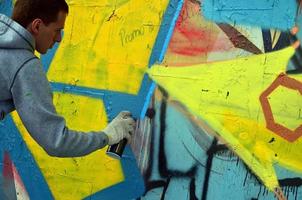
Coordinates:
44	19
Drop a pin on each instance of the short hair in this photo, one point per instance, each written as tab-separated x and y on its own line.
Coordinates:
25	11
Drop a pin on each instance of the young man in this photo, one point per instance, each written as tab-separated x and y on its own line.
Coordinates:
37	25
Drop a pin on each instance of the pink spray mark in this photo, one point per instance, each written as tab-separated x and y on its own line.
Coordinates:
10	172
194	39
193	36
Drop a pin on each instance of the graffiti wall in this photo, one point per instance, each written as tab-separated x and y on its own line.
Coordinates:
233	67
215	86
95	72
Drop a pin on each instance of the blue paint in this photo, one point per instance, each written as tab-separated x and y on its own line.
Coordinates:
1	184
236	182
299	24
147	100
47	58
170	19
295	63
6	7
121	101
12	142
278	14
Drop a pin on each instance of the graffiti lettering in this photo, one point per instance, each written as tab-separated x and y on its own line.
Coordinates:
127	37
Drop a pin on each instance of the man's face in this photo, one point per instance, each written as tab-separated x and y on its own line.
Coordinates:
49	34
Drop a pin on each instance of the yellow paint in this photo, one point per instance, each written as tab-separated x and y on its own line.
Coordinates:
284	113
275	35
37	54
226	96
76	178
107	44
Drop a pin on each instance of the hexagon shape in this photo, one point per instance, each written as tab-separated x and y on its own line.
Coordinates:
271	124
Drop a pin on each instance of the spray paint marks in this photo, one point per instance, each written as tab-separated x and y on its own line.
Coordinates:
291	185
187	29
197	40
173	136
194	37
237	119
12	186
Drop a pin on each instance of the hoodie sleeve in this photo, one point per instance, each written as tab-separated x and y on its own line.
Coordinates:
32	97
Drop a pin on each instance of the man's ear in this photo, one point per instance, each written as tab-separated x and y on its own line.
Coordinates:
35	25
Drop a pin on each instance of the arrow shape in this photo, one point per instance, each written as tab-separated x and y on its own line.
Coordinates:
226	96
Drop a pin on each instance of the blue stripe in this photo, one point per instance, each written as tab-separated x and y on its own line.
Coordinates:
161	44
147	101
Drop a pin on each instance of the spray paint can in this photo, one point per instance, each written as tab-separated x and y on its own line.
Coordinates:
116	150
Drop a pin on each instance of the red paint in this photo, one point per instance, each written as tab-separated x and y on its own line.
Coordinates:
193	36
7	167
10	172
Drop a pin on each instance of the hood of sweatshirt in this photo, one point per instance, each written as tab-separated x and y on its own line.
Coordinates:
14	36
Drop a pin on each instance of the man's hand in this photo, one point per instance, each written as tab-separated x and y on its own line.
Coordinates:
122	126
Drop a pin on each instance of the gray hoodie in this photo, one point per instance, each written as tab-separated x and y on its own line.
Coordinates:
24	87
